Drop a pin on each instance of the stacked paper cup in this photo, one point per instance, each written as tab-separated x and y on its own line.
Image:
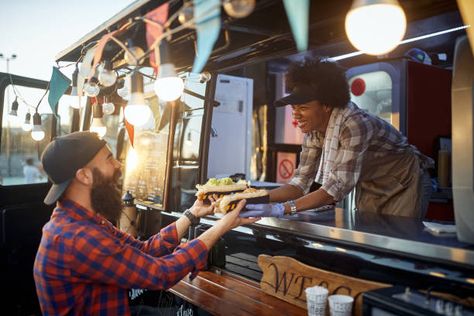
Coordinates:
316	297
340	305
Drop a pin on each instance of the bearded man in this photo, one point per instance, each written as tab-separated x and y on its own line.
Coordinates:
84	265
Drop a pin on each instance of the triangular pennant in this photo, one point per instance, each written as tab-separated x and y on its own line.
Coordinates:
153	31
298	15
99	49
207	15
130	131
58	85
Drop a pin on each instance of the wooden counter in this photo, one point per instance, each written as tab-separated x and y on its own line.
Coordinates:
229	294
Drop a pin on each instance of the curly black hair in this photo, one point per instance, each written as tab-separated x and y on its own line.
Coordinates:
326	78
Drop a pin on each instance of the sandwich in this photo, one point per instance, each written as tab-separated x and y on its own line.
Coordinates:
219	188
252	195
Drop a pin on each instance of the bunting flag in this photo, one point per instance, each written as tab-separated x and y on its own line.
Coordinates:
207	16
130	131
58	85
153	31
298	15
99	48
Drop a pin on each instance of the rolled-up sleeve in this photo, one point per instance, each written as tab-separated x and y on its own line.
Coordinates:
354	141
309	162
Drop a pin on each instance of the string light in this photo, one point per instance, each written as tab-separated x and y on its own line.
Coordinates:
239	8
168	86
91	88
14	108
107	76
137	112
27	123
108	108
76	101
97	125
37	133
375	27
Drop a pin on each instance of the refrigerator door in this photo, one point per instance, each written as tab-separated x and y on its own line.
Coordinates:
231	138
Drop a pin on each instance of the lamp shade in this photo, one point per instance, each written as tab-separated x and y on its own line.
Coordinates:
375	27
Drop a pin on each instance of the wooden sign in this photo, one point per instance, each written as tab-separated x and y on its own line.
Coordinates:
287	278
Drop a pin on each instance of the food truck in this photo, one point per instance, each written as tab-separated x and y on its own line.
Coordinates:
231	60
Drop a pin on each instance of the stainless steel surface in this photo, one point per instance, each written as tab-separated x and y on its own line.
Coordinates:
384	233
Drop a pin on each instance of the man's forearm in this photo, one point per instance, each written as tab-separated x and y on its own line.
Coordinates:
284	193
182	225
212	235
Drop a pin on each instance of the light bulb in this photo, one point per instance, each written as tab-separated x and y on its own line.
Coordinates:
137	52
26	126
98	127
204	77
108	108
137	114
239	8
107	76
186	14
91	88
14	108
124	92
37	133
168	86
375	29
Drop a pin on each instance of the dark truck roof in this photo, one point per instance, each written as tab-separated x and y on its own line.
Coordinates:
266	33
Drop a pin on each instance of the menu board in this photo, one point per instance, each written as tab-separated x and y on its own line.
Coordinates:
146	166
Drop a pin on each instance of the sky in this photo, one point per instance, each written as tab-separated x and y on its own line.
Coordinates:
37	30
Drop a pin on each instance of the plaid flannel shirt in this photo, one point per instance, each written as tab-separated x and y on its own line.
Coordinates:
84	265
360	133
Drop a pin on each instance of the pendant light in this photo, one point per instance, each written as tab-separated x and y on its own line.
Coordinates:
375	27
137	112
37	133
27	123
168	86
97	125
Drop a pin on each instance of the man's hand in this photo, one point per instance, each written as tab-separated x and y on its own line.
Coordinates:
226	223
264	210
199	209
232	218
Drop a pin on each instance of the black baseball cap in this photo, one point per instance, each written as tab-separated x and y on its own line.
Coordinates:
299	95
64	156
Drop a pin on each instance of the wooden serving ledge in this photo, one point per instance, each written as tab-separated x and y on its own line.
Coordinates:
229	294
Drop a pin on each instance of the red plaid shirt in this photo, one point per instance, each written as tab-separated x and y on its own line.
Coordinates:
84	265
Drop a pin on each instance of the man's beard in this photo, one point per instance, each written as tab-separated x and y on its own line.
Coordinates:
105	195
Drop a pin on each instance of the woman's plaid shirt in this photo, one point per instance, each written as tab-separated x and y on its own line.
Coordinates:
84	265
